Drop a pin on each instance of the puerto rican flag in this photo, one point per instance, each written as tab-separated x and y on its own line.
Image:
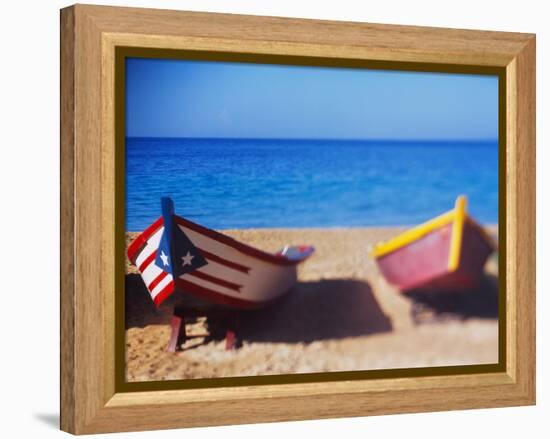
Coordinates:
175	253
167	258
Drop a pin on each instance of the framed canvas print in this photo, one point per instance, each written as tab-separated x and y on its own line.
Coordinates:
274	219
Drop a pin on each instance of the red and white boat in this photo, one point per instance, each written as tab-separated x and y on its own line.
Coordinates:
231	273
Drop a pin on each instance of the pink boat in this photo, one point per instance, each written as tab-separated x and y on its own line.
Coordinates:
447	253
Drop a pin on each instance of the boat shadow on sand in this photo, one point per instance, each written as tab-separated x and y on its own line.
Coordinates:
479	302
320	310
312	311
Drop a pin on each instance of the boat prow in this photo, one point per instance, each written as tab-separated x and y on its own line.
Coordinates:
230	272
447	253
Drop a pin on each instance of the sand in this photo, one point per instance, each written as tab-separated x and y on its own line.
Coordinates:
342	315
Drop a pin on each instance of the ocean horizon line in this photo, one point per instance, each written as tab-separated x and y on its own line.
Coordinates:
330	139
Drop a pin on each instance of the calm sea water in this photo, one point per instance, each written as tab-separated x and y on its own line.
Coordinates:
251	183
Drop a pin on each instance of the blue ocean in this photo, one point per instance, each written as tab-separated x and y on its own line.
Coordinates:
258	183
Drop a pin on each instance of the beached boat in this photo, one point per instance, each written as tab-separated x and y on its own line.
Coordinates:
447	253
174	253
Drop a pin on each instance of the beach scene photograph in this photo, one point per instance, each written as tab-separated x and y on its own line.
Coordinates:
292	219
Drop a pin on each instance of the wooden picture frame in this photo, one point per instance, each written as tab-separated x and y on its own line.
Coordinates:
91	399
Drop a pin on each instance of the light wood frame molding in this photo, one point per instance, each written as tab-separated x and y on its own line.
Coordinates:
89	400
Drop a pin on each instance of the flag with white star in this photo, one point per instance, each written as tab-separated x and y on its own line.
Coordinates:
176	253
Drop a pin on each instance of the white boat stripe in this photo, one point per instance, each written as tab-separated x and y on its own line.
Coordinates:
151	246
211	286
223	272
223	250
161	285
150	273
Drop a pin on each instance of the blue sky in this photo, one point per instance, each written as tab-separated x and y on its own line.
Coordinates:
174	98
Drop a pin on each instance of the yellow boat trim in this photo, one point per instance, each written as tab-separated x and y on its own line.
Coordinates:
416	233
412	235
456	235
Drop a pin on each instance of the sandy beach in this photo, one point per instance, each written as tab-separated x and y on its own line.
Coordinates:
342	315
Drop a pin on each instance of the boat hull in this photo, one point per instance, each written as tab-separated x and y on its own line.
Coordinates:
424	263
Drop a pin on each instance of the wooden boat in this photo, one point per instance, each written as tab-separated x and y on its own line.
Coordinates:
211	265
447	253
